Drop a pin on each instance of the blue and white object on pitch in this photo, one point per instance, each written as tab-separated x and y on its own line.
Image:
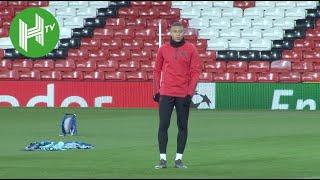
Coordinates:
69	124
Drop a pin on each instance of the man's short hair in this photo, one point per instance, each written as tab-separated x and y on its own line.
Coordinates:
176	24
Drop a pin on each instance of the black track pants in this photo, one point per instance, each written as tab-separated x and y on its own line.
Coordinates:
166	105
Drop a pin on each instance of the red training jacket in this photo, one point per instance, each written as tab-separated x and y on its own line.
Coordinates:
180	69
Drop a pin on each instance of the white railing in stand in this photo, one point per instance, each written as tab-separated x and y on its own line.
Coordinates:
159	47
159	33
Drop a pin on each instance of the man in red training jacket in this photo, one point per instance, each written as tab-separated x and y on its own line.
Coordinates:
176	74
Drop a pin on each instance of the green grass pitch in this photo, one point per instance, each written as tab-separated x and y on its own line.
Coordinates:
221	144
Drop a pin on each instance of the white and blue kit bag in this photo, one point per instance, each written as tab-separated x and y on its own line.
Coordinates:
69	124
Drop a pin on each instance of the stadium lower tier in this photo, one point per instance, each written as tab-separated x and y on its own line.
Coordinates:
220	96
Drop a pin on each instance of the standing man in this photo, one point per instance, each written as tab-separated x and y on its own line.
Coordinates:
179	64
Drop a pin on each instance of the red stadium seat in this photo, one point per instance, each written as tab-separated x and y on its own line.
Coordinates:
115	76
89	43
165	36
316	66
111	44
205	77
302	66
150	76
259	66
43	64
94	76
101	33
191	34
318	23
30	75
148	66
64	65
128	66
133	44
310	77
127	12
50	75
151	44
115	23
194	42
162	5
4	32
246	77
1	53
237	66
125	33
5	64
146	34
6	23
78	54
223	77
99	55
109	65
149	13
172	14
303	44
154	24
290	77
38	3
292	55
280	66
7	12
120	55
313	34
244	4
18	3
137	76
9	75
136	24
268	77
73	75
202	66
141	55
154	56
217	66
316	45
311	55
89	65
3	3
201	45
207	56
141	4
22	65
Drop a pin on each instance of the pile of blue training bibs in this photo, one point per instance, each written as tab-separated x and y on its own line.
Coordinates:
59	146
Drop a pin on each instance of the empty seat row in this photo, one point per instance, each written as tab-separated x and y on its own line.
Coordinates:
275	13
76	75
113	65
261	66
148	76
78	3
245	4
293	77
242	23
70	65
